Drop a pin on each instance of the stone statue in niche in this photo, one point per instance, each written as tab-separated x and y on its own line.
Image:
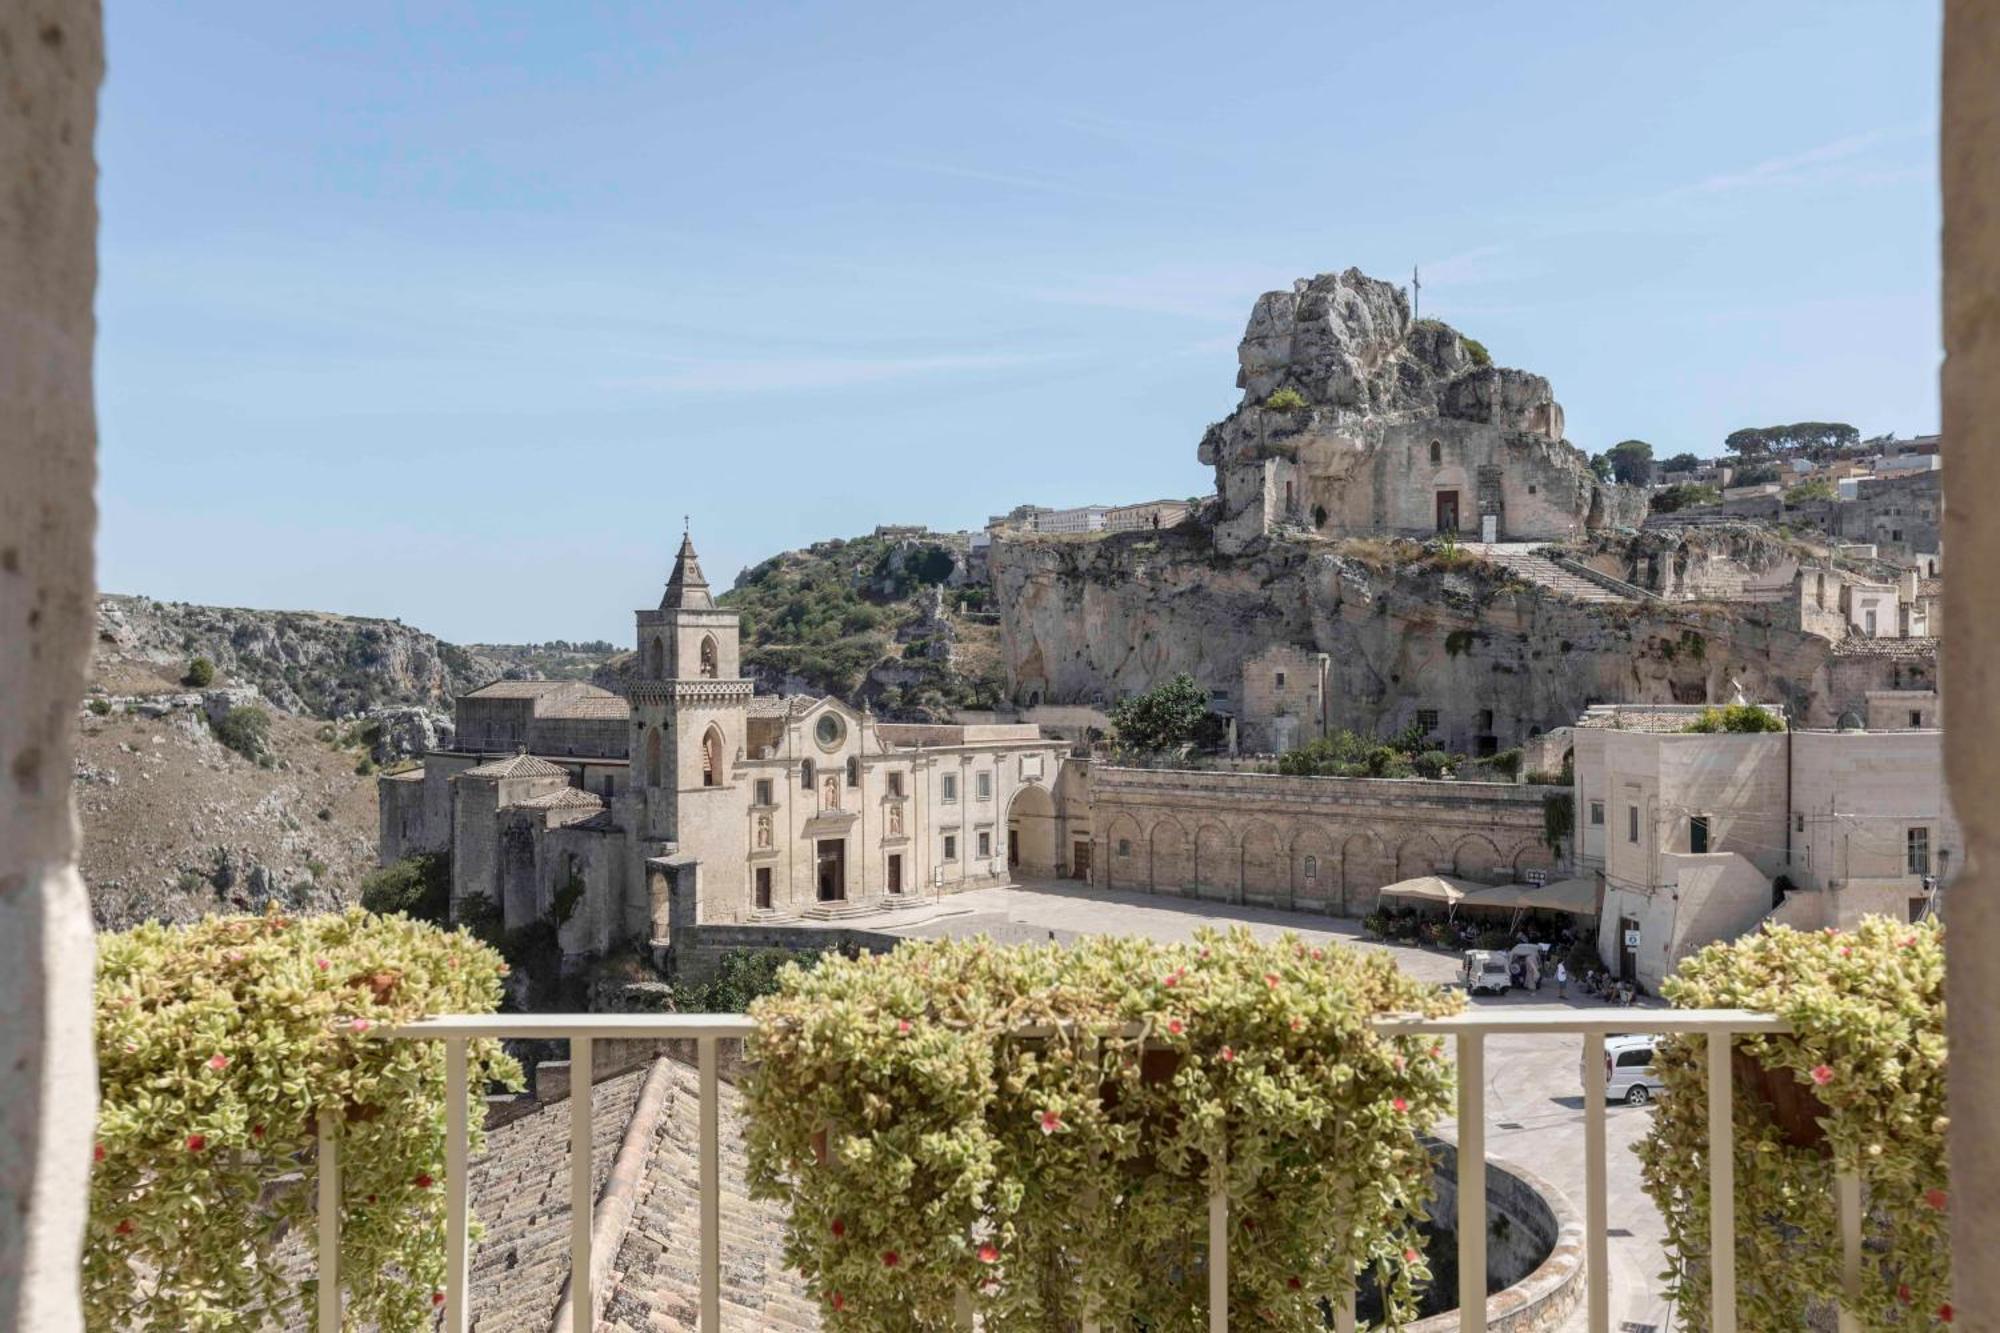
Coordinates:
763	833
830	794
896	821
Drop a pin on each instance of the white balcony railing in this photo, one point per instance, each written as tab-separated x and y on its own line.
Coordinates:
1470	1031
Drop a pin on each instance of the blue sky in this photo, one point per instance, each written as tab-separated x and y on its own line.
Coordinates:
450	311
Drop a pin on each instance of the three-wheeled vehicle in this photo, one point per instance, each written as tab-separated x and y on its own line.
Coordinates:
1486	970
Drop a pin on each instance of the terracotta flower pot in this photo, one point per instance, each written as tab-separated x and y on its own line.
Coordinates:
1795	1108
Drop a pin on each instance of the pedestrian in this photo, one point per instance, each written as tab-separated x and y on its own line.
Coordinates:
1562	980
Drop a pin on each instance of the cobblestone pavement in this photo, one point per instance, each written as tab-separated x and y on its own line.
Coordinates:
1534	1094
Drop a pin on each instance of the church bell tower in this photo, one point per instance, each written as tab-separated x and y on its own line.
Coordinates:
688	700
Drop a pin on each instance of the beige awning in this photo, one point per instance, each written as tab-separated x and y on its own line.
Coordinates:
1429	888
1576	896
1506	896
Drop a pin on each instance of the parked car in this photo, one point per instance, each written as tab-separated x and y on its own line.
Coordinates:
1628	1070
1485	970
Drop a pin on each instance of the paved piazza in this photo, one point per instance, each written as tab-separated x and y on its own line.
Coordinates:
1534	1100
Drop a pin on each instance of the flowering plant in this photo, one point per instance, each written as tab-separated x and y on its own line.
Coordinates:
1867	1048
1041	1129
219	1043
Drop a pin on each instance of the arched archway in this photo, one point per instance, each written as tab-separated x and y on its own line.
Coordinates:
1365	866
1532	856
1031	832
1173	865
1475	857
709	666
1126	863
1215	863
1420	855
1315	864
1265	871
711	757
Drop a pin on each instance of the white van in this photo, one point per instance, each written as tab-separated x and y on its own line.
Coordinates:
1628	1070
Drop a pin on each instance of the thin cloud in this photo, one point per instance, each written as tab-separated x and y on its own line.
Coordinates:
687	374
1802	168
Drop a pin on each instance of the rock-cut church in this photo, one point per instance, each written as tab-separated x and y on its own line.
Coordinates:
692	799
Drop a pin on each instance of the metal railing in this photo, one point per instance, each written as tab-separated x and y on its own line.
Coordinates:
1469	1030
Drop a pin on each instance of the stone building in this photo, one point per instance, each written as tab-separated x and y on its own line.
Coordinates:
1283	699
1316	844
1357	421
693	799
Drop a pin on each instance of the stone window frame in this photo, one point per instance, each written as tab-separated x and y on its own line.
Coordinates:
1277	680
1124	847
1917	849
1597	814
895	781
982	785
765	795
948	789
950	847
984	843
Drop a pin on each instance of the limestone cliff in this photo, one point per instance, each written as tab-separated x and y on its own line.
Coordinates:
1407	628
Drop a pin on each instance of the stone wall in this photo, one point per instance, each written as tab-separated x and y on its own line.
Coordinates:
1283	698
697	951
1539	1255
1320	844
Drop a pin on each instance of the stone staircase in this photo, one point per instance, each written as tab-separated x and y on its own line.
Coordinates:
1530	564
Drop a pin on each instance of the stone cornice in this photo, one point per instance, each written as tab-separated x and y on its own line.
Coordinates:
699	690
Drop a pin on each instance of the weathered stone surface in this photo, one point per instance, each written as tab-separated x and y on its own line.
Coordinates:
408	732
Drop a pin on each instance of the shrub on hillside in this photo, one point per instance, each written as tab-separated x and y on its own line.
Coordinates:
1684	495
1286	399
200	674
1432	764
219	1045
245	729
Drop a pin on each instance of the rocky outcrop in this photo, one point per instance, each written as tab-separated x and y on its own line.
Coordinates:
407	732
300	661
1357	420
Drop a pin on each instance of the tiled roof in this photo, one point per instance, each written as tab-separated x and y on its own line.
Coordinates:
781	705
569	798
518	766
1861	646
596	704
522	689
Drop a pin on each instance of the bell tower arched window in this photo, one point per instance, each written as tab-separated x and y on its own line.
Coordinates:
711	758
652	756
708	662
656	659
1437	453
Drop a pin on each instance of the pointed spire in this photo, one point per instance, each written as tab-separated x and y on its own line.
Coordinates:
687	590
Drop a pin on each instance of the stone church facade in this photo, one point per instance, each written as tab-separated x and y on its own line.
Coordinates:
692	799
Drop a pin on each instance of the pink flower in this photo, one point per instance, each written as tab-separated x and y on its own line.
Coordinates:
322	964
1171	979
1847	951
1409	1255
890	1258
234	955
989	1253
839	1228
218	1061
903	1026
1936	1200
97	1153
1903	1293
437	1298
361	1025
1272	979
424	1180
1822	1074
196	1142
1175	1026
451	961
1944	1313
1229	1055
1298	1024
256	1131
1401	1105
1051	1122
1318	954
1910	942
839	1301
124	1227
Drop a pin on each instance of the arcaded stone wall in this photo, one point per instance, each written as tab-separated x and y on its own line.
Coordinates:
51	62
1320	844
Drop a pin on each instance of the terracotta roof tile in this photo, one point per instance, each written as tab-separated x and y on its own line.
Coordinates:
517	766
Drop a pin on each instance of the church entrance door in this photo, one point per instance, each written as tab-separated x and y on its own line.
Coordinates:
895	872
832	869
1447	513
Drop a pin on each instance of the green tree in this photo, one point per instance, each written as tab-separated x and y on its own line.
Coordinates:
1631	462
246	730
417	886
1681	463
200	674
1761	475
1163	720
1686	495
1600	467
1736	718
1819	488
